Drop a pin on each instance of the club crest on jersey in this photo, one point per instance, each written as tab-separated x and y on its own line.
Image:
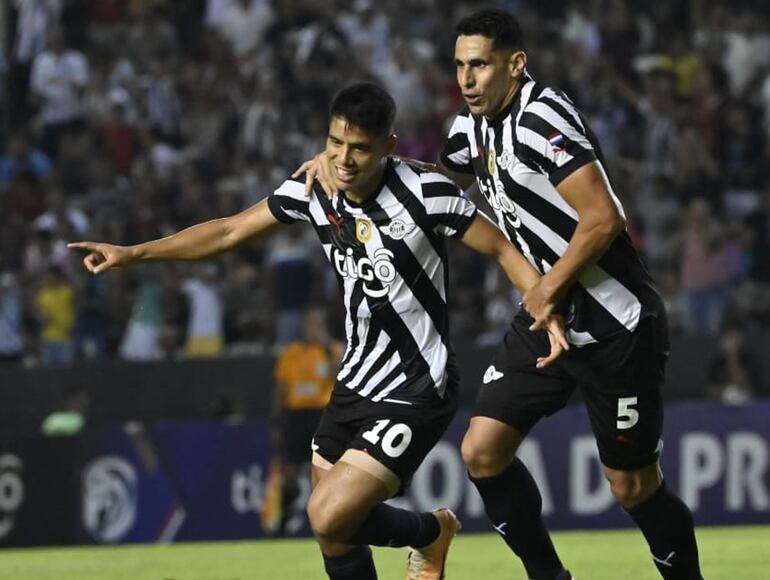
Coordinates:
397	229
557	141
505	160
363	230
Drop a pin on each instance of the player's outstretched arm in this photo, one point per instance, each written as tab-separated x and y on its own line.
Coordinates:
193	243
600	220
486	238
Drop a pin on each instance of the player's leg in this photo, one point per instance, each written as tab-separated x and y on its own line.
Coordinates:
341	561
664	519
622	386
346	509
512	399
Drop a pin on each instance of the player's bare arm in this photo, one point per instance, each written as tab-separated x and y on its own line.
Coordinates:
196	242
464	180
601	219
486	238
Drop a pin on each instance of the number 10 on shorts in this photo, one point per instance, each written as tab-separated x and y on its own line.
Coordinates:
627	416
395	440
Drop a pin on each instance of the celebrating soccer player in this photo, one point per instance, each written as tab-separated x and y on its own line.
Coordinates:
384	232
540	167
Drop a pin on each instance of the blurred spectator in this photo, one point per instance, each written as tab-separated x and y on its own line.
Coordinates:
34	19
20	156
58	79
734	372
93	323
292	271
243	25
205	326
61	218
173	112
709	269
142	339
11	329
305	373
55	307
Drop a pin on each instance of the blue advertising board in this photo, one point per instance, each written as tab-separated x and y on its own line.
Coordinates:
194	481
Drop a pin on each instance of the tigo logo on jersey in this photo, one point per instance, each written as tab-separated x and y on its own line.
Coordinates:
557	141
397	229
379	267
363	230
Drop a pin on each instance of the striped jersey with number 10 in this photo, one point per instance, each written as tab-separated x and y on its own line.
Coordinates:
389	255
519	158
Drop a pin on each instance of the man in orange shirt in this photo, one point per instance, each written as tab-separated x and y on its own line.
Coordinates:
304	374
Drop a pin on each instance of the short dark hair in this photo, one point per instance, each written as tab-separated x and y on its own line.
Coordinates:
367	106
498	25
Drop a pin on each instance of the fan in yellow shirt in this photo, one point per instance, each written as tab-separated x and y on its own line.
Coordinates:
55	306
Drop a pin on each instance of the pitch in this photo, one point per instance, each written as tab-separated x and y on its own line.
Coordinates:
727	553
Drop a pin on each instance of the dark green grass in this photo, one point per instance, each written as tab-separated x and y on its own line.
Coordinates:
730	553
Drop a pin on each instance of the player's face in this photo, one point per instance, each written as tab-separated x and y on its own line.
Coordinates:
356	157
487	77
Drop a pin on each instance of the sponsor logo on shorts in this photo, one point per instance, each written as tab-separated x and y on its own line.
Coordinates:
492	374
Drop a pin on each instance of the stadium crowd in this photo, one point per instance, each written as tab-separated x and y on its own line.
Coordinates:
124	120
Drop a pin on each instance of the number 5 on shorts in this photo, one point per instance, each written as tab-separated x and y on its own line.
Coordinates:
399	432
627	417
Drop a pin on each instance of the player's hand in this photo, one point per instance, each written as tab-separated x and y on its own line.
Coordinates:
540	302
102	257
557	338
317	169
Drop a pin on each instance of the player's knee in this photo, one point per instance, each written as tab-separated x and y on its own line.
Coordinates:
629	489
481	458
323	518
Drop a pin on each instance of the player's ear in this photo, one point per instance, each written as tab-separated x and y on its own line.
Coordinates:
517	63
390	145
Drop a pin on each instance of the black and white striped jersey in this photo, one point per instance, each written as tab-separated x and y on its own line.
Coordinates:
390	258
519	158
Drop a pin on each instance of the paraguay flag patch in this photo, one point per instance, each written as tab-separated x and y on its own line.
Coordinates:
557	141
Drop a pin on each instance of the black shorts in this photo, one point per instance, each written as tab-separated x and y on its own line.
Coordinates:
398	436
297	429
620	379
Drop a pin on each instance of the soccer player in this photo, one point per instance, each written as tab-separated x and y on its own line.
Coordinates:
540	168
384	233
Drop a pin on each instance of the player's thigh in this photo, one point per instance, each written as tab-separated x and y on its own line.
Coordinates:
397	436
622	384
513	390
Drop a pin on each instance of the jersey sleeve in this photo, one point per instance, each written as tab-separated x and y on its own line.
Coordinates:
552	136
456	154
289	203
449	211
